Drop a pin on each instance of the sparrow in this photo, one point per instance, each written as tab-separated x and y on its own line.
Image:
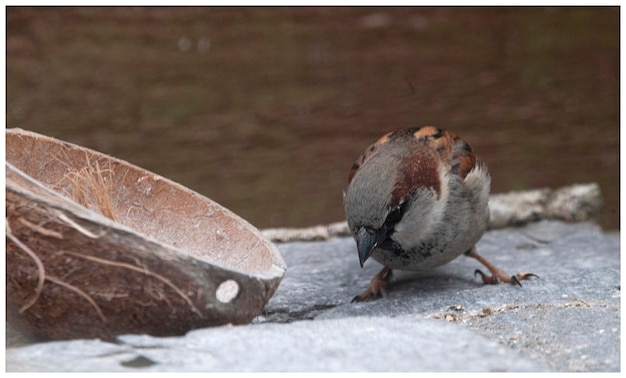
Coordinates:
416	199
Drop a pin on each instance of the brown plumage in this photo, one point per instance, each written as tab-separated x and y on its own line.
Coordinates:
449	146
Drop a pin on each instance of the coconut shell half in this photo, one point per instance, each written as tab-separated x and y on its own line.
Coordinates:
97	247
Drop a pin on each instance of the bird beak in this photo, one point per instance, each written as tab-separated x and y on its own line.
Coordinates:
366	241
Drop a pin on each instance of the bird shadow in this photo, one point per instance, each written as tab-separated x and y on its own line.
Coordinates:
435	280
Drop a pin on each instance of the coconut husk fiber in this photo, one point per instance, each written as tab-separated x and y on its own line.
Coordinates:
97	247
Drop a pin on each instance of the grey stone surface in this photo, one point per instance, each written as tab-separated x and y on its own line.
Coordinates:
442	320
360	344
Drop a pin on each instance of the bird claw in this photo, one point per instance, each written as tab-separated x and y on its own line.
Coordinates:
491	280
368	295
515	281
521	277
526	276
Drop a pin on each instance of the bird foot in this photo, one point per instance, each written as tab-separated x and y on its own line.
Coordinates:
377	287
497	274
500	276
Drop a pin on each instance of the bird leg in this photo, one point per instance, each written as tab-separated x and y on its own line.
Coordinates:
377	288
497	274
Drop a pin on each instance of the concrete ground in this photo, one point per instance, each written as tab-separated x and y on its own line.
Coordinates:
443	320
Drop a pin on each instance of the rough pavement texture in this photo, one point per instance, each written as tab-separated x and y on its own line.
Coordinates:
442	320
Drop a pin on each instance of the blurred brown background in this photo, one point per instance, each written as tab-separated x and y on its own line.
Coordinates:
264	110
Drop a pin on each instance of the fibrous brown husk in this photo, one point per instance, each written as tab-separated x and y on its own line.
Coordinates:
97	247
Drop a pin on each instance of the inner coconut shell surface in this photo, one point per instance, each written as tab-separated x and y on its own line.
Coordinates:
97	247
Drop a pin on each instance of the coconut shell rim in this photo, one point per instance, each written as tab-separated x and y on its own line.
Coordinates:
276	271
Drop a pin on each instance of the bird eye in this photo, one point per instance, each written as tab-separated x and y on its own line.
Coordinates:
395	215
